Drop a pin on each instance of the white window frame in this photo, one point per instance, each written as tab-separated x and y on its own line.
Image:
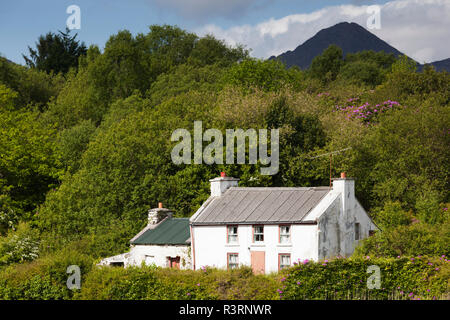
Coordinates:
232	235
260	234
283	235
230	264
281	265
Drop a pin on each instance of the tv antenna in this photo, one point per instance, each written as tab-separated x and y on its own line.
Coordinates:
331	157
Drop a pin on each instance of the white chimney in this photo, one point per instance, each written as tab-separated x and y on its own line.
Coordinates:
220	184
346	186
155	215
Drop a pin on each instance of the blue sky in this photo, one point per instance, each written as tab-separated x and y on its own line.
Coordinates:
267	26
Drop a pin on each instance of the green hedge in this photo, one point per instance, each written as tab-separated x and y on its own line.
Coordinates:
44	278
161	284
401	278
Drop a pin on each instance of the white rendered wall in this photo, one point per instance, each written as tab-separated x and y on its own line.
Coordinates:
211	247
366	224
142	253
337	214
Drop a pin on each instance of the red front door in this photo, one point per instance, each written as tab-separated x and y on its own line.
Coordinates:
258	261
174	262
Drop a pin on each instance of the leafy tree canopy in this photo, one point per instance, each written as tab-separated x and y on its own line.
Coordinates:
326	66
55	52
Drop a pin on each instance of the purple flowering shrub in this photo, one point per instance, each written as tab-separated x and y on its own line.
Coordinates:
366	112
401	278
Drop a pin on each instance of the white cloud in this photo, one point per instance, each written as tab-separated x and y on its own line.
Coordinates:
418	28
424	55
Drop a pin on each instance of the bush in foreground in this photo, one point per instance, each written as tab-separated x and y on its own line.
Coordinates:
155	283
418	277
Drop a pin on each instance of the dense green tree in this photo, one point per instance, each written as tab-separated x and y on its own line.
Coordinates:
29	163
326	66
7	98
269	75
185	78
55	52
31	85
208	50
429	209
362	72
392	215
381	59
125	169
122	67
414	240
300	134
169	46
404	157
131	63
72	143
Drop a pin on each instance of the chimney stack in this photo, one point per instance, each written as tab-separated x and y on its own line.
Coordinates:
220	184
346	186
156	215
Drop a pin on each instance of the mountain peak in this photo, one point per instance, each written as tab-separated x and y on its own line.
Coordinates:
349	36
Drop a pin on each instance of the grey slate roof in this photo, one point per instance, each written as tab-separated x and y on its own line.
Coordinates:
169	231
261	205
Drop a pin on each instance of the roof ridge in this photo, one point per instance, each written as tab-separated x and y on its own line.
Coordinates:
278	188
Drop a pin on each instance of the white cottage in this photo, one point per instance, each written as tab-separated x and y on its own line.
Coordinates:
164	242
270	228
